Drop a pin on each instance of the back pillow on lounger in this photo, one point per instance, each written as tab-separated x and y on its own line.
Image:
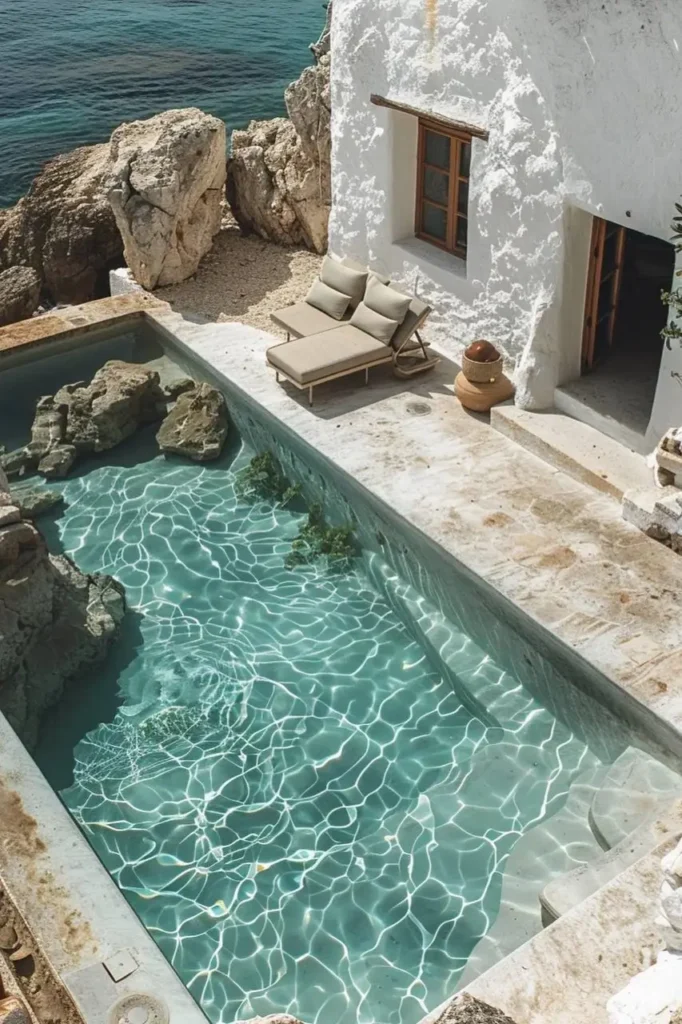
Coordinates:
386	301
344	279
329	300
380	327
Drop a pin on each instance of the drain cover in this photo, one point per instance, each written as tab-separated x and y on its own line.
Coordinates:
419	408
139	1008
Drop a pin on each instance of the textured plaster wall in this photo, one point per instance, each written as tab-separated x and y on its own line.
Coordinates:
581	100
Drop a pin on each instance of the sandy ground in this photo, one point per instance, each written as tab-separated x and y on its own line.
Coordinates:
244	279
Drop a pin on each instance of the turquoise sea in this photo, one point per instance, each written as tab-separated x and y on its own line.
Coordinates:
71	70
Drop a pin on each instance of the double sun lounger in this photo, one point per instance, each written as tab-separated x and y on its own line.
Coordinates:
320	348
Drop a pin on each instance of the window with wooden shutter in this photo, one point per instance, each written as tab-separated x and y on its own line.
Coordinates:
443	187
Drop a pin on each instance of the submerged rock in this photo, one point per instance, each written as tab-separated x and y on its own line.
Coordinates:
46	605
33	501
58	461
165	184
19	294
279	177
64	227
197	426
176	388
18	462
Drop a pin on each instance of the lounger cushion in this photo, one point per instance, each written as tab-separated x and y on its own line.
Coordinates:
344	279
302	319
347	262
387	301
380	327
306	360
329	300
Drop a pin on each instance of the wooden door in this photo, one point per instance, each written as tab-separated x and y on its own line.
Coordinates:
604	281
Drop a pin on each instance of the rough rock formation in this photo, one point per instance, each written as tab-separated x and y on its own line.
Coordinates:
82	418
197	426
46	605
34	501
464	1009
279	177
19	294
165	184
64	227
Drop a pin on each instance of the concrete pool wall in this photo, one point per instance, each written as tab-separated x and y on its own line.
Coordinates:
598	598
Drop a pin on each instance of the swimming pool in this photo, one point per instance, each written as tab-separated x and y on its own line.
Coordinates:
305	782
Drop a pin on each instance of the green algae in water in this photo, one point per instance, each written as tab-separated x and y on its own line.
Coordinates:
298	807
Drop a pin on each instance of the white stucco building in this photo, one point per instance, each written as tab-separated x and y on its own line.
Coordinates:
533	205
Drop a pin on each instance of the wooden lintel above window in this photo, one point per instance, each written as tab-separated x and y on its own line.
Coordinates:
435	119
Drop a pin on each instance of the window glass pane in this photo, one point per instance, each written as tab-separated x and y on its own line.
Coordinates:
436	186
434	222
461	235
437	150
464	159
463	198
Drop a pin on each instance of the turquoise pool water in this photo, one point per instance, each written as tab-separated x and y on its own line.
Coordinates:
297	805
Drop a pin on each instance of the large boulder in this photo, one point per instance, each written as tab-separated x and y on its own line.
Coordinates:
64	227
166	184
20	289
82	418
120	398
279	177
197	426
46	605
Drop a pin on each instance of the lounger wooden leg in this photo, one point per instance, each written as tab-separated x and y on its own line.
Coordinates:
288	336
367	375
276	376
310	395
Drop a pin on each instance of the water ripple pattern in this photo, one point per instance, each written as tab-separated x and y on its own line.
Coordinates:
296	804
75	69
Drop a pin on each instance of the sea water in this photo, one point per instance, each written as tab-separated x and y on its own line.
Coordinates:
72	70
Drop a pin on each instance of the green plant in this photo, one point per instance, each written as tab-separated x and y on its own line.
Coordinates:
317	540
263	478
673	331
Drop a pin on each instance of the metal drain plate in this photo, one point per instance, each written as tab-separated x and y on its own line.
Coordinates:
139	1008
418	408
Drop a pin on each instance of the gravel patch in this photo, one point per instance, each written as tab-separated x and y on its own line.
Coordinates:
244	279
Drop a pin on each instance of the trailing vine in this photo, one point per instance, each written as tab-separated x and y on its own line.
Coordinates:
673	331
317	540
263	478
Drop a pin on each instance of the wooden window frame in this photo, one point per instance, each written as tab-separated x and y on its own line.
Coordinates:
457	138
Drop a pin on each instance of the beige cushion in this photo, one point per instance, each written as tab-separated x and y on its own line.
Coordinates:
380	327
347	262
302	319
387	301
344	279
329	300
306	360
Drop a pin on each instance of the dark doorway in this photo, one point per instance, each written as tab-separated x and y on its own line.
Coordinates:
624	316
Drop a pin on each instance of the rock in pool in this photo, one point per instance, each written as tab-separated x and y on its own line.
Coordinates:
197	426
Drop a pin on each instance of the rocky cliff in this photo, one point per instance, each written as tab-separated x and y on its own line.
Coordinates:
54	620
155	188
279	176
166	184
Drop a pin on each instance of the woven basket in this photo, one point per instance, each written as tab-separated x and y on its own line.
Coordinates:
481	373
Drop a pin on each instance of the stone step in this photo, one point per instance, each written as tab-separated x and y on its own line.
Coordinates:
556	845
487	690
578	449
566	892
636	789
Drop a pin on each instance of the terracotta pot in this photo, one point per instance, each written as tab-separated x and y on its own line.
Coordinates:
482	396
481	372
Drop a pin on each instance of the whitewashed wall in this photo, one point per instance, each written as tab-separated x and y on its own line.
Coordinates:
582	100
